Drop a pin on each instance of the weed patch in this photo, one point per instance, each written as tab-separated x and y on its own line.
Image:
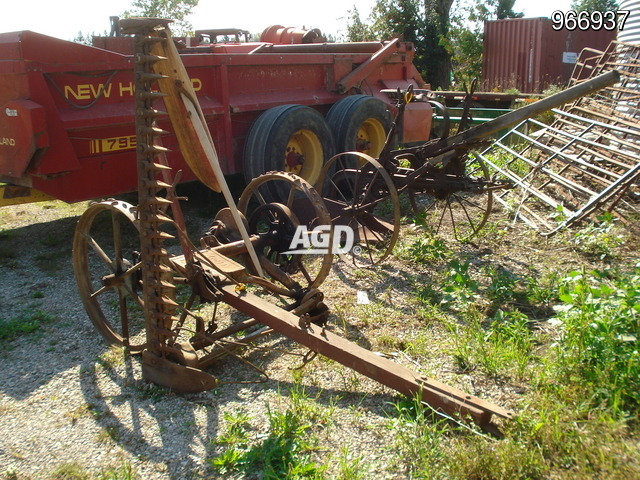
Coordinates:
284	452
601	315
598	239
23	324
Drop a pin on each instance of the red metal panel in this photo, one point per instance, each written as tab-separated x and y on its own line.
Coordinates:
527	53
87	96
22	131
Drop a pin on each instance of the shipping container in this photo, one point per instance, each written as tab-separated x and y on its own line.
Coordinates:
529	55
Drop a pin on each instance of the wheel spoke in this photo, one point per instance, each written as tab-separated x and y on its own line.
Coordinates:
96	248
108	306
339	191
466	213
369	186
442	213
305	272
453	221
291	196
117	242
376	228
101	290
468	209
366	241
124	318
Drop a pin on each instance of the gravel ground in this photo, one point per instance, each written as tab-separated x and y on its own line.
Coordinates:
65	397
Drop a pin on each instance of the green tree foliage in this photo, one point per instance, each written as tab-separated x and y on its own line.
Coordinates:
424	22
494	10
466	49
176	10
447	38
465	41
357	30
595	5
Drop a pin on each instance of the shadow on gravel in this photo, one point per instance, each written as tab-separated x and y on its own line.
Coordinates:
178	433
44	328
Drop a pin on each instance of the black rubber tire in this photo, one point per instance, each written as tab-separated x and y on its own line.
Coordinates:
272	132
349	116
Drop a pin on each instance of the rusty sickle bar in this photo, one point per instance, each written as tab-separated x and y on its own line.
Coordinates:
442	397
178	365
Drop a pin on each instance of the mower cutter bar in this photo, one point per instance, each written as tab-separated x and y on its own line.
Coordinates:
444	398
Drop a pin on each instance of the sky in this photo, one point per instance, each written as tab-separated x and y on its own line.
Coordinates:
65	18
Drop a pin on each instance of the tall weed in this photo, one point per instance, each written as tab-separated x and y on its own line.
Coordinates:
599	347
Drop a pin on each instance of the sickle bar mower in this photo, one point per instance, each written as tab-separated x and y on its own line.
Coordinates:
147	299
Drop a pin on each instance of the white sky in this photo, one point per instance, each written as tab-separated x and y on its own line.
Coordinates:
65	18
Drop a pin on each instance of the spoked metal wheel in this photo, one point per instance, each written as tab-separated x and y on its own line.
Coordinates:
460	214
108	272
289	255
361	196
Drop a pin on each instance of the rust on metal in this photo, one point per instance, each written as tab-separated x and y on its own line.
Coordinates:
587	160
142	278
387	372
444	181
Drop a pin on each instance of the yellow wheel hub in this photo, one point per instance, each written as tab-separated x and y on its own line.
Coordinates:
371	137
304	155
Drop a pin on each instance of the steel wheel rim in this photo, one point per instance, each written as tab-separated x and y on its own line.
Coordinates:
377	235
462	213
90	263
298	187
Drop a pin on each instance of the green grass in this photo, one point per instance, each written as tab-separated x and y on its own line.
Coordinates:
577	415
599	239
69	471
284	453
601	318
576	408
51	262
23	324
9	252
573	382
74	471
425	249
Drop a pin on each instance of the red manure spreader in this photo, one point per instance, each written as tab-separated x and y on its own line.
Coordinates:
287	102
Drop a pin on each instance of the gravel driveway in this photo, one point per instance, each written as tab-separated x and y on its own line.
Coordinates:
67	398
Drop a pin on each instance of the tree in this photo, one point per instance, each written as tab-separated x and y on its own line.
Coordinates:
466	53
595	5
482	11
447	39
437	13
357	30
425	23
176	10
466	39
